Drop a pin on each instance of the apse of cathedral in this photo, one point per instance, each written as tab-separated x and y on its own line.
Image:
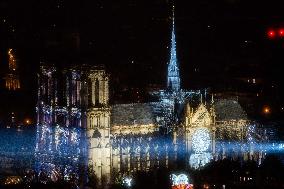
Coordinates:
76	123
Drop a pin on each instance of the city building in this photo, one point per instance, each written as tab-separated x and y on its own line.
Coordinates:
10	93
76	122
12	81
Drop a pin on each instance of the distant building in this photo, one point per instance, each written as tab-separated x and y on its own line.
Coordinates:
12	81
10	95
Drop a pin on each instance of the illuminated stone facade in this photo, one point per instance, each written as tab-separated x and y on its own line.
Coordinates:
196	119
74	115
98	123
74	112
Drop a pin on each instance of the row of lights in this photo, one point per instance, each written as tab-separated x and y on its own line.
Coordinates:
276	33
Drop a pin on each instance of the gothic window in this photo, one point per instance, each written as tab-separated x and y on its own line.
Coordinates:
98	121
92	122
106	133
78	93
97	92
89	92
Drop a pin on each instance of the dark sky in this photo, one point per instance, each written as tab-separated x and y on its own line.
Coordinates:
220	39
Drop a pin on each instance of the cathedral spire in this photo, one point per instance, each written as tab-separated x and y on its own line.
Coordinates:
173	82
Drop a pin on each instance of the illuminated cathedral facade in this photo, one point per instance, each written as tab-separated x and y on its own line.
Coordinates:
77	123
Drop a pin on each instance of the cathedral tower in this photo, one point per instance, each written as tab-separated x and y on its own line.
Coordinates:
173	82
98	124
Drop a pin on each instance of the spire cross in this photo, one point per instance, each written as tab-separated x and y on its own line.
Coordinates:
173	13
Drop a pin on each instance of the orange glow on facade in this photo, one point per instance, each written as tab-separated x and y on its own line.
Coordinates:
206	186
12	81
12	60
183	186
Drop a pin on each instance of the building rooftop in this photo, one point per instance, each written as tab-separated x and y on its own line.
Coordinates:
130	114
228	109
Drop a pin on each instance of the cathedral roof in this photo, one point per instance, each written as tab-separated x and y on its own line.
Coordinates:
228	109
130	114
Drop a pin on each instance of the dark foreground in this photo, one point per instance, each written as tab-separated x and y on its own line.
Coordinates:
223	174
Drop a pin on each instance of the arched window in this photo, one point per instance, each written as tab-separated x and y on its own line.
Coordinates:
97	94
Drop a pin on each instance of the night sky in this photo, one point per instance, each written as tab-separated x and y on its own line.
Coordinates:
216	40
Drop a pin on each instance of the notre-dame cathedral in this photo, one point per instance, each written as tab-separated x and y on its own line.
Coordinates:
76	123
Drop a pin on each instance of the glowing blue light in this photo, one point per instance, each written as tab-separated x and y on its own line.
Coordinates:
127	181
200	160
201	140
58	152
173	70
180	179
